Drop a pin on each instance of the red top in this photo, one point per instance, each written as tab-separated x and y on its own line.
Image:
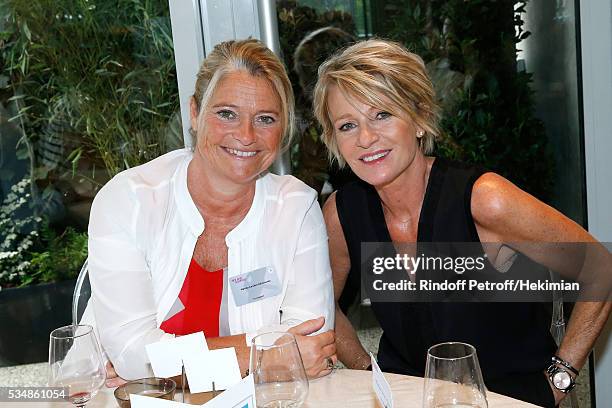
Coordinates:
201	296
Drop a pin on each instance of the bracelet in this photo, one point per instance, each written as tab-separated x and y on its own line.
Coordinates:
560	361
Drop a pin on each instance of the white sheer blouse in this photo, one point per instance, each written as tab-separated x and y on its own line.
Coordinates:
142	232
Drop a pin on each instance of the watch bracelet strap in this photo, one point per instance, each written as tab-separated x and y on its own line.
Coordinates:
552	370
568	389
560	361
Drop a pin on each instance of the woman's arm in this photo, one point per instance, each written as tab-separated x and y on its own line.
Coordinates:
504	213
308	306
122	290
349	348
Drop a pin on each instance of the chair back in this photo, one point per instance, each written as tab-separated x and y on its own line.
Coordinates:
81	295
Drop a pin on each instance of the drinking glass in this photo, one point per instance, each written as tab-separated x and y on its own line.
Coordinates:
75	362
278	371
453	377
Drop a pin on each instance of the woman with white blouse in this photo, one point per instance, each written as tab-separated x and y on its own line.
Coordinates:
169	239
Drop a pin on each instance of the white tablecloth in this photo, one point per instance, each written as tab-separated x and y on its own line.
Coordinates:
342	388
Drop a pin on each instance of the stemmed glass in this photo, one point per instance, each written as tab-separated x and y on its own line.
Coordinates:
453	377
75	362
278	371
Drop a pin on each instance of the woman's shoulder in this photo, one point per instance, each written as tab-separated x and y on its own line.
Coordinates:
147	182
287	187
151	174
157	171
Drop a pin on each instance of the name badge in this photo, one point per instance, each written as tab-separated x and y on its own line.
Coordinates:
254	286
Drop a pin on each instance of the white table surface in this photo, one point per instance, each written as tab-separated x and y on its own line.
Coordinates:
342	388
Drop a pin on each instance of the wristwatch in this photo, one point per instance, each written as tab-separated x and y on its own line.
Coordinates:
559	374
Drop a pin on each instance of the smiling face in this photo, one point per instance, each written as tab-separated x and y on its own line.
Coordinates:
241	128
377	145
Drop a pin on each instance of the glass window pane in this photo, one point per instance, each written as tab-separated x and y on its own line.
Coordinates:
501	108
87	89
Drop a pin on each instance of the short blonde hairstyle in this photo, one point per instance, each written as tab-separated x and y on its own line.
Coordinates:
383	74
255	58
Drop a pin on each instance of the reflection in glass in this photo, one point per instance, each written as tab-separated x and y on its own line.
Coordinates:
453	377
87	89
75	362
278	371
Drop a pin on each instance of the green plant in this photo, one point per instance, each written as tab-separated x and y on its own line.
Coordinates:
62	259
487	106
94	82
92	90
19	231
31	252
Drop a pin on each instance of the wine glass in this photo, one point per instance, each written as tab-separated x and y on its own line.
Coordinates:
453	377
278	371
75	362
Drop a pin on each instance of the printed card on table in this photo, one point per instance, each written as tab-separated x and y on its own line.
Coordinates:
381	386
241	395
141	401
220	366
166	356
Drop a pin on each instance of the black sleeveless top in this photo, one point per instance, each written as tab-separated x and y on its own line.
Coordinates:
510	338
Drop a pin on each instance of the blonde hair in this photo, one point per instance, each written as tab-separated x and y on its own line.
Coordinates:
378	73
255	58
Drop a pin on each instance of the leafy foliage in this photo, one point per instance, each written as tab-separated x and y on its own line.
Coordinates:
470	51
19	232
488	106
62	259
96	79
91	88
31	252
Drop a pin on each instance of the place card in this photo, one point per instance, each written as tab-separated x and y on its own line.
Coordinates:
241	395
220	366
141	401
380	385
166	356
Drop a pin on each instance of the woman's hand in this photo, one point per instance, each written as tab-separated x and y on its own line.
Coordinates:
317	351
112	379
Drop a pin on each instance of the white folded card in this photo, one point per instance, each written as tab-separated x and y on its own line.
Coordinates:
381	386
241	395
166	356
220	366
141	401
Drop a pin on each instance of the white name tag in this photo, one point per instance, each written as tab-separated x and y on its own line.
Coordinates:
380	385
254	286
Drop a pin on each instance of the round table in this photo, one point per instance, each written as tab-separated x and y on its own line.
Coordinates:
341	388
354	388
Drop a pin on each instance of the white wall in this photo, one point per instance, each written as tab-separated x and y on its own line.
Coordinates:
596	43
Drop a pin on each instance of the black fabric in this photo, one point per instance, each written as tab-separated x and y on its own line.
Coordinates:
512	339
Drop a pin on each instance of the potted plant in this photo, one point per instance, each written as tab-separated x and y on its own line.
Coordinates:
37	271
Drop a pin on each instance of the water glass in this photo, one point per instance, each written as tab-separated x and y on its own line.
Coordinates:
453	377
278	371
75	362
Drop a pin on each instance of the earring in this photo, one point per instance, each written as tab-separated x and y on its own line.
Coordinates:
420	133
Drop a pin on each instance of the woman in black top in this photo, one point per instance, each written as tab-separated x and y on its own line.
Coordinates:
378	112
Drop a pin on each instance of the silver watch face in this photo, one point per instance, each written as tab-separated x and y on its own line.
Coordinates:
561	380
